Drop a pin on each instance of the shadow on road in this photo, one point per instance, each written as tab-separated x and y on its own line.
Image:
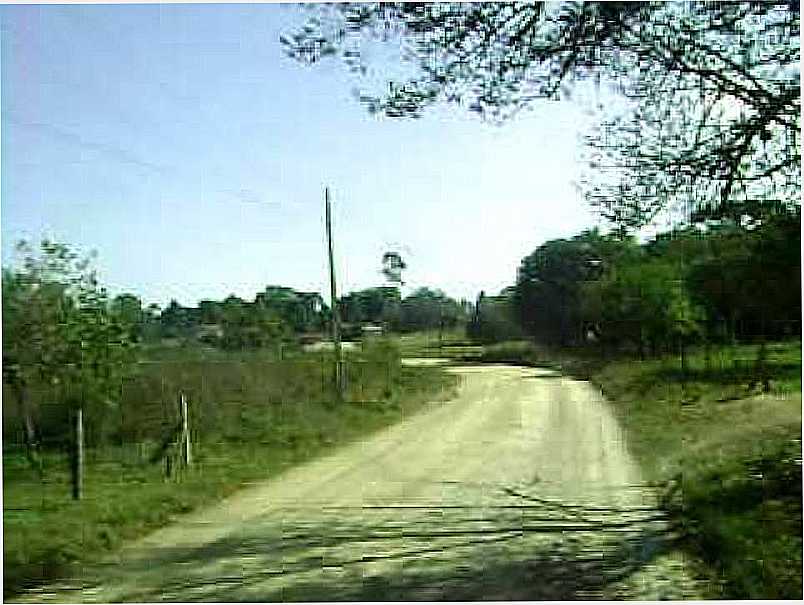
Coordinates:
521	552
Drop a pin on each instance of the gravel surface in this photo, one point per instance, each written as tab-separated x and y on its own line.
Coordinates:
521	488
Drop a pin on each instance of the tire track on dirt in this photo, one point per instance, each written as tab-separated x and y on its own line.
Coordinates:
519	488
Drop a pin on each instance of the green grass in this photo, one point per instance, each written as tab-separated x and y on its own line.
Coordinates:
449	343
522	352
578	362
727	456
250	420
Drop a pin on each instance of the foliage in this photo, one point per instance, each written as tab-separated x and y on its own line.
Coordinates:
59	328
392	267
494	318
128	308
301	310
275	314
703	97
731	463
750	280
251	417
548	290
245	326
177	321
719	281
643	302
373	305
427	309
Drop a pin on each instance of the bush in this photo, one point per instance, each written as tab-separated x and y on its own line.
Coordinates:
517	351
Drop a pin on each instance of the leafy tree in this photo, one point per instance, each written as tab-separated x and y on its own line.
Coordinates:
372	305
749	280
494	318
301	310
209	312
128	308
59	328
644	302
709	91
178	321
250	325
32	309
547	295
427	309
392	267
151	325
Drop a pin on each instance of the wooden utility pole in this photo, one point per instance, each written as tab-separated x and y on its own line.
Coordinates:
336	321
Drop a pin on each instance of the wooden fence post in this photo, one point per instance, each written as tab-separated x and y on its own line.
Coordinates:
185	431
78	460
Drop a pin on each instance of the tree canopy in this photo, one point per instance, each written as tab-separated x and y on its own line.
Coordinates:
61	333
710	91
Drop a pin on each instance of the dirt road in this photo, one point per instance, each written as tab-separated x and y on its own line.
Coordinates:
519	488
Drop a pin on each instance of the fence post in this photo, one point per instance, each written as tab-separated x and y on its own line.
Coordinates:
185	431
78	454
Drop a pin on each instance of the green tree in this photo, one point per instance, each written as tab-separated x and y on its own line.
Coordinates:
372	305
209	312
393	266
300	310
250	325
427	309
494	318
749	280
59	329
547	295
128	308
643	302
178	321
151	324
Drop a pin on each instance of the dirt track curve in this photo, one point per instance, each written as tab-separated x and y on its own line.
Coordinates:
521	487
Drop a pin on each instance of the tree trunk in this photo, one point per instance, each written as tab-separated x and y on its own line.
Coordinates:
683	354
682	351
29	427
641	345
78	455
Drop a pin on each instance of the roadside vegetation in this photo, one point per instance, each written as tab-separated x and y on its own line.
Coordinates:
695	337
727	455
724	452
257	403
249	421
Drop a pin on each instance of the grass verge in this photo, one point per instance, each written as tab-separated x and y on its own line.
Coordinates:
250	421
729	457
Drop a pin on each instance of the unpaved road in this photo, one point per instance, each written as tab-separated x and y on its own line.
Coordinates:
519	488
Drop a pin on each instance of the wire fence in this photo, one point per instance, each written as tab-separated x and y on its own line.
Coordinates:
226	400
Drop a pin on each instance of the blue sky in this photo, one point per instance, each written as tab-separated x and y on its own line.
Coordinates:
179	143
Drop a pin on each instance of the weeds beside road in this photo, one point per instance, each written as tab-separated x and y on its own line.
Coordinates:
728	457
519	488
251	418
